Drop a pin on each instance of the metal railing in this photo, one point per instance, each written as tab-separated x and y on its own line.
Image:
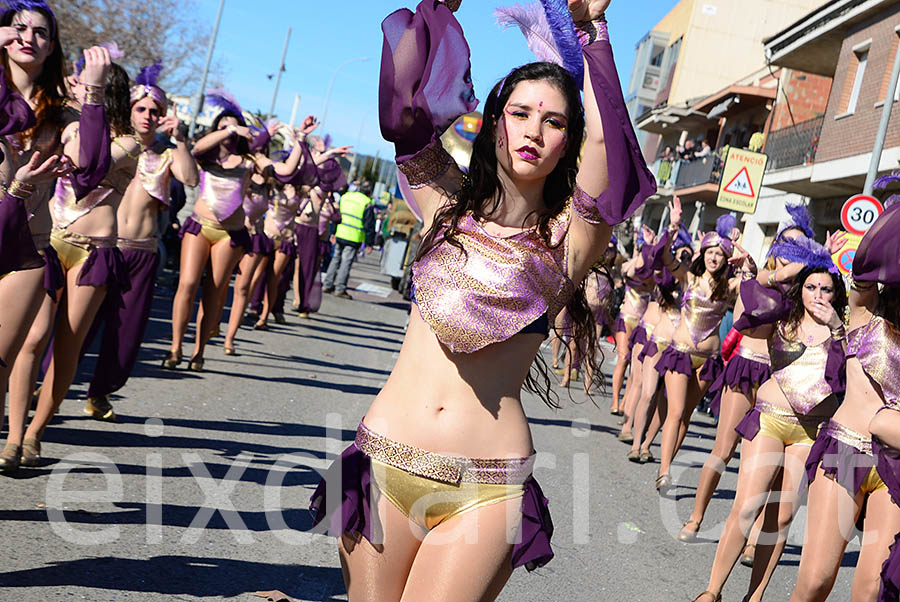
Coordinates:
698	171
794	145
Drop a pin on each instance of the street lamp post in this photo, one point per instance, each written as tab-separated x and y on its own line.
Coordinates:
280	71
331	85
198	101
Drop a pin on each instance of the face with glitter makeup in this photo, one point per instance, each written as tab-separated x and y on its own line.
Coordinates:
35	43
530	136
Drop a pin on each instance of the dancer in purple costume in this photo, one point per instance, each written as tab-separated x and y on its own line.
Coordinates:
124	314
807	375
32	59
598	291
502	251
841	467
735	389
227	160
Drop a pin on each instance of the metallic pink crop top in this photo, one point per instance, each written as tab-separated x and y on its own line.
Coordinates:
284	208
501	285
702	315
223	189
800	370
154	170
876	345
256	202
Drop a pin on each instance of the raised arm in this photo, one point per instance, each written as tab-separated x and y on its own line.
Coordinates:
613	180
425	86
184	167
92	156
678	268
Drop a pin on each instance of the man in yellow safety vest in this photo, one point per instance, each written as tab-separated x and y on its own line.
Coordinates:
349	235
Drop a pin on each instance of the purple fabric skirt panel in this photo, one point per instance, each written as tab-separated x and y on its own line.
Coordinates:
748	427
54	278
125	315
673	360
638	337
288	248
105	266
17	250
308	262
353	474
740	374
260	244
840	461
650	349
711	369
888	466
620	325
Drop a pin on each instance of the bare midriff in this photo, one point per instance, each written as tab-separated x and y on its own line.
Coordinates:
235	221
137	213
771	392
755	340
457	404
861	400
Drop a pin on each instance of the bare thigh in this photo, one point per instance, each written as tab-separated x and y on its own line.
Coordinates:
881	524
467	558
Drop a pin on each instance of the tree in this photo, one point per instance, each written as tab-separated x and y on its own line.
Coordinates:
146	31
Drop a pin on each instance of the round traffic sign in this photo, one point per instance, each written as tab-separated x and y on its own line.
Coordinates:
845	261
860	212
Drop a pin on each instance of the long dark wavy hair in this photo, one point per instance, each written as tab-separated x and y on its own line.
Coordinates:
49	97
720	277
795	295
889	305
481	194
118	101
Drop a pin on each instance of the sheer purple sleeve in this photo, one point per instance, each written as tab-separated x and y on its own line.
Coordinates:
331	176
630	181
653	257
425	80
836	367
878	255
260	140
762	305
15	114
94	153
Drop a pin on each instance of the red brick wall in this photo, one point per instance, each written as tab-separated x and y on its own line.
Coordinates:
807	97
855	134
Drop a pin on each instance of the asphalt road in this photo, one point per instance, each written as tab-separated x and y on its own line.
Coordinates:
142	509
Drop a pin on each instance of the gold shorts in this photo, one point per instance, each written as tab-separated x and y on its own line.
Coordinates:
73	249
211	230
783	425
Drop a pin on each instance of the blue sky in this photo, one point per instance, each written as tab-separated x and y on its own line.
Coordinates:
325	34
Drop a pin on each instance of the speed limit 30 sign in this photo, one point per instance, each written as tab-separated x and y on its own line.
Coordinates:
859	213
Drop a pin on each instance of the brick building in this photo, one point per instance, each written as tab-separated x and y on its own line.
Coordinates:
825	160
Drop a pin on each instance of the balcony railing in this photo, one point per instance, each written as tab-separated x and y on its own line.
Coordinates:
698	171
794	145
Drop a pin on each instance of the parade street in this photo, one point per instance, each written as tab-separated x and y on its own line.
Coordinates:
200	490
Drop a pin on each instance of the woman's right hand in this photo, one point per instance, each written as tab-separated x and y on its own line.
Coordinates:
96	66
35	172
675	210
8	35
241	130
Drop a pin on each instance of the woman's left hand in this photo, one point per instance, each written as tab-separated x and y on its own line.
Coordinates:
824	314
587	10
96	66
308	125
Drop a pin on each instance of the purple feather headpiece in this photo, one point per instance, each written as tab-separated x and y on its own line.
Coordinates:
883	182
682	238
225	101
639	239
613	240
549	33
145	85
803	250
800	220
16	6
114	53
722	236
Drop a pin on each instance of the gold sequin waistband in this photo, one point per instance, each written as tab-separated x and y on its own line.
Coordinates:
205	221
648	328
83	241
762	358
856	440
446	469
694	351
138	244
764	407
659	340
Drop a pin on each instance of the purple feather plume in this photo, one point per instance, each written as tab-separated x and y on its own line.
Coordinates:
225	101
682	238
532	22
891	200
567	44
800	218
149	75
725	224
803	250
327	141
884	181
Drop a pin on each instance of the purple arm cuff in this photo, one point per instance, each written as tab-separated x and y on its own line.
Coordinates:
630	181
836	367
93	152
762	305
876	257
425	82
260	140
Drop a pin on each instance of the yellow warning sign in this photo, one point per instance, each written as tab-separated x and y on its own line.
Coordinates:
741	180
843	259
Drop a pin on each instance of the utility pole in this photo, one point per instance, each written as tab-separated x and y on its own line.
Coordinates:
278	77
294	110
882	126
198	100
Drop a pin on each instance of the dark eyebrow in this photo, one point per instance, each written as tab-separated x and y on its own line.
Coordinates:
528	108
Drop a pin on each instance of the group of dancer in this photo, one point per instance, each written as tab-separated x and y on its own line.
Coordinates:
87	164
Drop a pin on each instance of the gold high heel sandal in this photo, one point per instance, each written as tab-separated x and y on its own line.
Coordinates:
31	453
10	458
173	359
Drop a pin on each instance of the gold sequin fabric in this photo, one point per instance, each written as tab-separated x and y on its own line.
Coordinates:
762	358
427	165
446	469
500	285
764	407
702	314
150	245
66	210
800	371
154	170
850	437
586	207
877	347
638	301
